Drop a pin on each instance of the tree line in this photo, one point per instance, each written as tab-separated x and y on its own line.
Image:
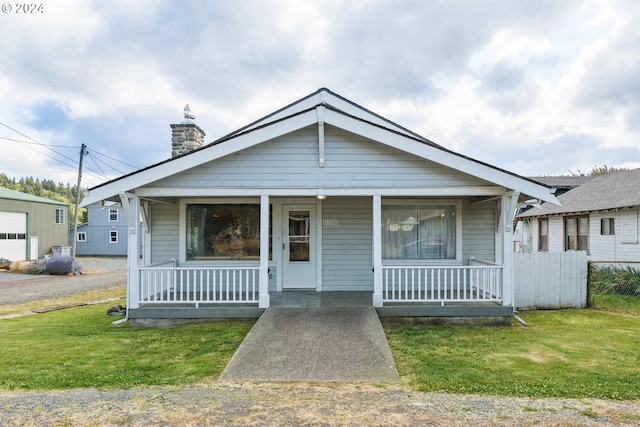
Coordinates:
46	188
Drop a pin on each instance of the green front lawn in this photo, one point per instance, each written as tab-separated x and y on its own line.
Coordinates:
563	353
79	347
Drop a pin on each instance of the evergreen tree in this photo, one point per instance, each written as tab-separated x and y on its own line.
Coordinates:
46	188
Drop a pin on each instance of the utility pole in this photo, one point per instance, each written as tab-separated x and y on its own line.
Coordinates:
83	150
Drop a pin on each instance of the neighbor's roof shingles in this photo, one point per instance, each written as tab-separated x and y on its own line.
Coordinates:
613	191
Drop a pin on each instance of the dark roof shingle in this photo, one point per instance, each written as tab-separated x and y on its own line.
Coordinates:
613	191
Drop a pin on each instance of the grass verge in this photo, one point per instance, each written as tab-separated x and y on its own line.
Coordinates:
629	304
78	347
563	353
96	295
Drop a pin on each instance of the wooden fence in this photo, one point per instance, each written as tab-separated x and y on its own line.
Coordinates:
550	280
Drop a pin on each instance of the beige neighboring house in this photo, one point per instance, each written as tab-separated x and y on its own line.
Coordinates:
599	216
30	225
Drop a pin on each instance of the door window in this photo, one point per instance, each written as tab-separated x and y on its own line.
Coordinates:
299	235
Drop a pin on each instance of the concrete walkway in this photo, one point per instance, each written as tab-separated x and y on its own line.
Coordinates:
314	344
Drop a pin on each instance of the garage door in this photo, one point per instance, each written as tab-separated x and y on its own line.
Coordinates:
13	235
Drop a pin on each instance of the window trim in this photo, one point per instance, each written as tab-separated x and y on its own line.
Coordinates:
540	248
113	233
612	226
182	223
83	234
60	216
564	231
457	203
117	212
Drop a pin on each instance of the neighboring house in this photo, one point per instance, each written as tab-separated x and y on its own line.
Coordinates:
105	233
599	217
321	195
559	185
30	225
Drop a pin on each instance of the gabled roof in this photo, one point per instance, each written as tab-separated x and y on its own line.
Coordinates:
614	191
324	96
328	107
562	182
5	193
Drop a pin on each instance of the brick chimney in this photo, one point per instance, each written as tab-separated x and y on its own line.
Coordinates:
186	136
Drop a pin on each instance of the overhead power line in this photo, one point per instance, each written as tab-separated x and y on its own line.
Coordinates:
73	163
95	160
37	143
115	160
33	141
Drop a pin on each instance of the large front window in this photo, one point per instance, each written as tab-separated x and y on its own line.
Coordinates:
223	231
419	231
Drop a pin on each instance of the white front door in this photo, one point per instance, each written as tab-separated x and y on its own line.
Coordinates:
299	247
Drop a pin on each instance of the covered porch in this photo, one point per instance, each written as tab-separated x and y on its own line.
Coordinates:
244	288
169	291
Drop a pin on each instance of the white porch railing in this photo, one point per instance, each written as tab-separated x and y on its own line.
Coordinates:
442	284
166	283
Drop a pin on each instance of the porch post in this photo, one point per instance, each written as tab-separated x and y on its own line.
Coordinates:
508	206
145	215
263	286
377	251
131	204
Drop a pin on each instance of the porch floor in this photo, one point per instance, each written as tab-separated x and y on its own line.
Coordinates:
454	312
321	299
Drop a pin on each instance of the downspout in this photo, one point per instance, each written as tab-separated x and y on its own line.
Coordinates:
519	319
132	236
126	312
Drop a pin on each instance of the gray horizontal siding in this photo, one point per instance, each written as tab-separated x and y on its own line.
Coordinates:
291	161
99	216
164	232
478	231
346	252
99	243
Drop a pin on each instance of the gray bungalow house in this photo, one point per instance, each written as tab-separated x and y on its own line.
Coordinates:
322	195
600	216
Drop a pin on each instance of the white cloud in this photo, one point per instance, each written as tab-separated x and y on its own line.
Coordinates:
517	84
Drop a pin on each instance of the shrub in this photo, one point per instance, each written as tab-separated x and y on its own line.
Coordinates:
615	280
4	264
36	267
16	266
61	265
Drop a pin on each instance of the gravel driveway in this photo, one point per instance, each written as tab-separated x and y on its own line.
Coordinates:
258	404
98	273
272	404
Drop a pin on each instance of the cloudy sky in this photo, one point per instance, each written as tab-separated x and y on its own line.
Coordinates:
535	87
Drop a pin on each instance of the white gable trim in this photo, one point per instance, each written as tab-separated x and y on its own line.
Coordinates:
205	155
307	118
439	156
325	97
